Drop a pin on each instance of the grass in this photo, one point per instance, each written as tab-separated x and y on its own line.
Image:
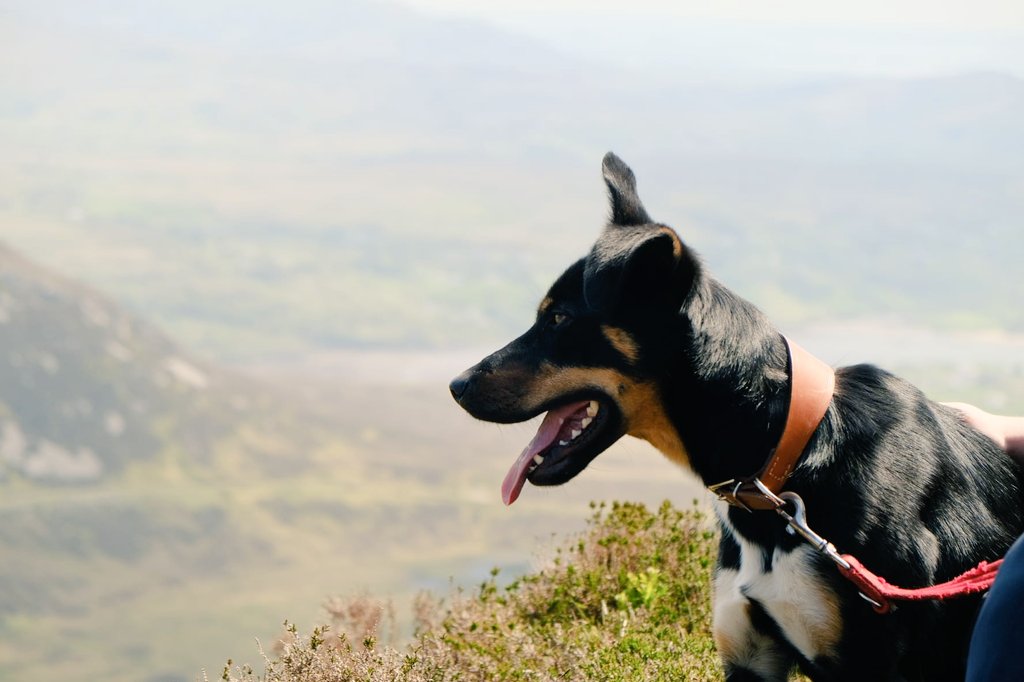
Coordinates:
628	600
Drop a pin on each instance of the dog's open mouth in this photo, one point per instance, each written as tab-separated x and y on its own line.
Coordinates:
565	431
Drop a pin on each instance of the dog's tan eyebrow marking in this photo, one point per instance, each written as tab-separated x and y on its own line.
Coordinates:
544	305
623	342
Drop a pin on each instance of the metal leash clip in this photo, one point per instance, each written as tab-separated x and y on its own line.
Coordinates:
798	526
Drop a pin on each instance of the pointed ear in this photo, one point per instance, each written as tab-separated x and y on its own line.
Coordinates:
626	206
638	268
659	271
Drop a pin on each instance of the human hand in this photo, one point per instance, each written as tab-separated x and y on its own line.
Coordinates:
1007	432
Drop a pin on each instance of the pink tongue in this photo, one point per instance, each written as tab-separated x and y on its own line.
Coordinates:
546	435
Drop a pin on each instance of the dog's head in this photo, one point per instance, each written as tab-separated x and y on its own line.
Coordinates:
594	356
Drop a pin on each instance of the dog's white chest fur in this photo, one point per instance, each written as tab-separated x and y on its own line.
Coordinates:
792	593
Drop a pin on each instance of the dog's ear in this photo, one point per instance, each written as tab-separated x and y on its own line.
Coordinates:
626	206
635	264
638	268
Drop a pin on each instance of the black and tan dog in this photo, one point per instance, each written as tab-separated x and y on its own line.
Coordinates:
637	338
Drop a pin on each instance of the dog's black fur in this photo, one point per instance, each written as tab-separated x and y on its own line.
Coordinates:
674	357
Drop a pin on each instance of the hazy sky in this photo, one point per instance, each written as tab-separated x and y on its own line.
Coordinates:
869	37
958	14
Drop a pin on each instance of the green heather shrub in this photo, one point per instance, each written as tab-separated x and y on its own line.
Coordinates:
629	600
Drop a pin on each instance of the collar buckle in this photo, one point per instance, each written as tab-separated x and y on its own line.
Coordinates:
741	493
729	494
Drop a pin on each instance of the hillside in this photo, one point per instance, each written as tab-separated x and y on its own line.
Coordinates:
89	390
120	456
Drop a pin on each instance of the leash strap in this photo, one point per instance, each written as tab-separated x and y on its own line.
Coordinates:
875	589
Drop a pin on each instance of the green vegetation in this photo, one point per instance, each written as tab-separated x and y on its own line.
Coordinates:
628	601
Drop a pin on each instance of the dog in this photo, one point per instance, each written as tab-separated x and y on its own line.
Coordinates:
638	338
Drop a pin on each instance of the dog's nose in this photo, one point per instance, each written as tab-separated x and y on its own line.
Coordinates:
459	385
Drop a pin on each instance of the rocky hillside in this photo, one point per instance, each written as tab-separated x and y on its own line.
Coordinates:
82	383
120	459
88	389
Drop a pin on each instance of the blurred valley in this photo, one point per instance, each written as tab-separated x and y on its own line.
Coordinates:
263	183
244	249
189	509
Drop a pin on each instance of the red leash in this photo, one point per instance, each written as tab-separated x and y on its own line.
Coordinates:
876	590
873	588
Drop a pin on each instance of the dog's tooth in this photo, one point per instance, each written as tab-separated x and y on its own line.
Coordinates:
537	459
563	442
586	422
576	433
593	408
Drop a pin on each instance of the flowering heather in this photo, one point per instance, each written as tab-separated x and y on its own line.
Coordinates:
628	600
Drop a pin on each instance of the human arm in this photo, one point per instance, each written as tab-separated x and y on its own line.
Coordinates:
1006	431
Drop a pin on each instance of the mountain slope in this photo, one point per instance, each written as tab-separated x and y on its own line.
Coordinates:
85	385
130	477
88	390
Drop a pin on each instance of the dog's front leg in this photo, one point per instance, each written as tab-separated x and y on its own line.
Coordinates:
748	652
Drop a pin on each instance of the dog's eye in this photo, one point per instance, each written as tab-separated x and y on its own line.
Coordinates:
558	319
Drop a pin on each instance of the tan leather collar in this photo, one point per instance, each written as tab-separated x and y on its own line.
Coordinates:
811	385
